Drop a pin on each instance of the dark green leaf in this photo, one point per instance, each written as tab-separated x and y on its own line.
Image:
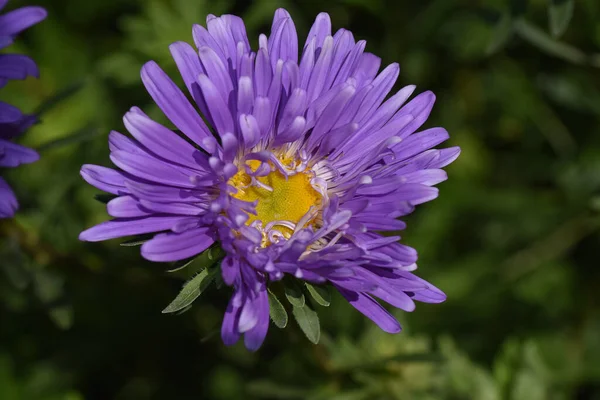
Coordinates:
320	294
308	320
502	32
560	13
542	41
215	253
219	280
104	197
191	290
293	293
277	311
138	240
183	310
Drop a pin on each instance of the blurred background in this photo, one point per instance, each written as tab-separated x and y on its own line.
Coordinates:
513	238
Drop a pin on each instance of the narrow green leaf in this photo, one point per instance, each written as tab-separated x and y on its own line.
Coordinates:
320	294
560	13
191	290
137	241
179	265
293	293
542	41
308	320
502	32
183	310
277	311
104	197
210	335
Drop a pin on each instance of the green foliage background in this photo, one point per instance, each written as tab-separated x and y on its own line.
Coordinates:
513	239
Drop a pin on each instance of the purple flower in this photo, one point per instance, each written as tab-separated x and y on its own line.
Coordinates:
12	121
296	168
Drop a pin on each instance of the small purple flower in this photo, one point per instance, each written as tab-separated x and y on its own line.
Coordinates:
296	168
12	121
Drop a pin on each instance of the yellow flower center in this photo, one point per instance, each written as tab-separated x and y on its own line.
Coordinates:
290	199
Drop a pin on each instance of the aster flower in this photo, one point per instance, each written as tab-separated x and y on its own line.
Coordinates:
12	121
293	166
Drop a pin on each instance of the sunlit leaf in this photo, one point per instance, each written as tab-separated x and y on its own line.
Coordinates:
86	133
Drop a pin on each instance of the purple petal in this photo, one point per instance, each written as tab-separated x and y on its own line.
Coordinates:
255	337
373	310
13	155
175	105
158	139
126	207
17	66
229	331
283	42
127	227
177	246
8	200
320	29
151	169
9	113
419	142
219	112
18	20
105	179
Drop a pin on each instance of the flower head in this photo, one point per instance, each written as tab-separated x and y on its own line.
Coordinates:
12	121
300	166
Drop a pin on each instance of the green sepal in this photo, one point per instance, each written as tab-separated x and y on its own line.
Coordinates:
293	293
308	320
277	311
191	290
320	294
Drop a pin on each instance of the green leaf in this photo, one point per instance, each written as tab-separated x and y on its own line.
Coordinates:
277	311
560	13
179	265
58	98
542	41
293	293
320	294
502	32
137	241
86	133
191	290
308	320
104	197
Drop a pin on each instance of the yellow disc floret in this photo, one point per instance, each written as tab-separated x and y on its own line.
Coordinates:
291	197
